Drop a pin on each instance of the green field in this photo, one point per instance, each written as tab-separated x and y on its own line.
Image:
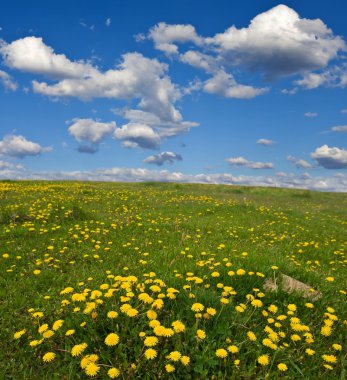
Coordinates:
165	281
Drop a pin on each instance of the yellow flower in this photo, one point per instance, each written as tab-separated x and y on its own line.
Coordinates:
251	336
309	351
57	324
330	279
151	341
273	309
92	369
326	330
263	360
197	307
329	358
48	357
233	349
201	334
178	326
78	349
240	272
113	373
47	334
151	314
185	360
43	328
112	314
221	353
150	354
337	347
282	367
131	312
169	368
112	339
309	305
291	307
18	334
175	356
69	332
211	311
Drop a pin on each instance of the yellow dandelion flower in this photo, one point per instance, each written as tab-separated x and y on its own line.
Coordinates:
151	314
197	307
233	349
43	328
211	311
112	339
113	373
78	349
257	303
330	279
282	367
92	369
309	351
112	314
151	341
263	360
329	358
326	330
48	357
57	324
337	347
175	356
18	334
150	354
201	334
185	360
291	307
132	312
70	332
169	368
251	336
178	326
221	353
47	334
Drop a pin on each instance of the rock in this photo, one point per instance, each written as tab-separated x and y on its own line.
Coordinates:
289	285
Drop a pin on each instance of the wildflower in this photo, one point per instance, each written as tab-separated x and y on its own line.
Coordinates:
326	330
201	334
309	351
112	314
221	353
151	314
18	334
43	328
251	336
151	341
175	356
69	332
273	309
47	334
309	305
211	311
131	312
263	360
233	349
92	369
291	307
113	373
57	324
48	357
178	326
112	339
337	347
330	279
239	309
78	349
169	368
150	354
185	360
35	343
240	272
329	358
282	367
197	307
257	303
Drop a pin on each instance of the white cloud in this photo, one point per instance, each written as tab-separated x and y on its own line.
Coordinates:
241	161
299	163
162	158
90	133
224	84
108	21
136	135
266	142
165	35
330	158
339	128
198	60
287	180
344	110
311	114
19	147
10	165
30	54
7	81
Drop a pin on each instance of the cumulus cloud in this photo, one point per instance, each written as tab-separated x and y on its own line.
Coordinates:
299	163
224	84
136	135
162	158
241	161
339	128
266	142
330	158
19	147
311	114
7	81
136	78
90	133
10	165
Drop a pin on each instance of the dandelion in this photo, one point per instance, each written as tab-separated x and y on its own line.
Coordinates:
309	351
113	373
337	347
221	353
18	334
330	279
201	334
48	357
151	341
329	358
251	336
257	303
196	307
326	330
282	367
263	360
150	354
211	311
169	368
291	307
47	334
112	314
92	369
178	326
233	349
78	349
57	324
185	360
69	332
112	339
175	356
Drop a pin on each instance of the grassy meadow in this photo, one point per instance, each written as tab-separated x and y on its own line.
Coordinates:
166	281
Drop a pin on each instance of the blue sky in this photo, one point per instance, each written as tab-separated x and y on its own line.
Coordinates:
193	91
